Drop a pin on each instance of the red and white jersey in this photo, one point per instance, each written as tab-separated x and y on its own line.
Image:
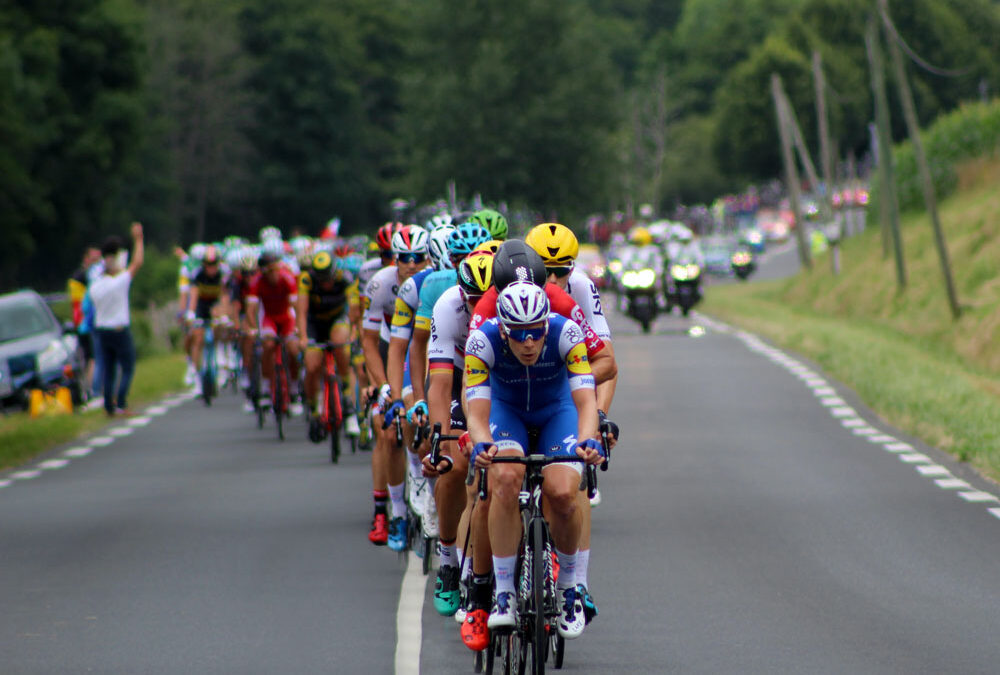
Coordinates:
275	299
379	301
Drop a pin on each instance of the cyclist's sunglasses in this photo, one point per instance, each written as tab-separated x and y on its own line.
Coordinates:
470	298
522	334
559	272
411	257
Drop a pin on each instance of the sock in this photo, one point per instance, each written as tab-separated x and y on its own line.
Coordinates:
567	569
481	588
504	570
582	563
467	567
414	458
381	498
448	554
396	495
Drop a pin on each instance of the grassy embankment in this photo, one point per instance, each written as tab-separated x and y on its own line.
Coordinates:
22	438
922	372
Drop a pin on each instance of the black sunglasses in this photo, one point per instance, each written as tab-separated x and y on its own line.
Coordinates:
411	257
559	272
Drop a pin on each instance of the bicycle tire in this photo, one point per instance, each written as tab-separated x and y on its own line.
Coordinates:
428	544
539	639
278	401
558	651
333	405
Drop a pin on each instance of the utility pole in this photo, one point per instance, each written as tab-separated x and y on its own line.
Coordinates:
886	173
791	173
927	185
826	162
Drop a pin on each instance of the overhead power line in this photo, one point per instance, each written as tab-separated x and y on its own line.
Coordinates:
916	58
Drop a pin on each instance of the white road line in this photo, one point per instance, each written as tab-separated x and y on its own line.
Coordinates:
898	447
79	451
844	412
864	431
5	483
933	470
139	421
833	401
952	484
823	390
914	458
977	496
409	617
995	512
852	422
53	464
157	410
26	475
101	441
883	438
121	431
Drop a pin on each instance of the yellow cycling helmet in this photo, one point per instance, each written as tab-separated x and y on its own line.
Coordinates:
322	264
640	236
475	273
491	246
555	243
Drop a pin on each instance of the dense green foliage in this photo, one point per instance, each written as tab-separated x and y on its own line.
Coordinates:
203	118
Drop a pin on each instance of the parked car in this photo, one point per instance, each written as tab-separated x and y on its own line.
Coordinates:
35	351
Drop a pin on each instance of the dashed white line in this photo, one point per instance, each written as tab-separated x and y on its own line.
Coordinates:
5	483
79	451
914	458
101	441
995	512
157	410
933	470
977	496
843	412
952	484
53	464
26	475
882	438
121	431
852	422
864	431
823	390
139	421
898	447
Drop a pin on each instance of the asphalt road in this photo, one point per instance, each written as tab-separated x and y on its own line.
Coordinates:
748	525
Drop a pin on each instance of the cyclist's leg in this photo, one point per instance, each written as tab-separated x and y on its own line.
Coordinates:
314	367
269	335
380	470
197	346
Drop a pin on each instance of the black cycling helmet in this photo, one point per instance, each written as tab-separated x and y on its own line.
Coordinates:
516	261
266	259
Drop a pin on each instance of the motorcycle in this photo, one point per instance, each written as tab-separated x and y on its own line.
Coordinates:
743	264
685	291
640	292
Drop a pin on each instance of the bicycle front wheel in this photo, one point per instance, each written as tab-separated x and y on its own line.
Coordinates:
539	638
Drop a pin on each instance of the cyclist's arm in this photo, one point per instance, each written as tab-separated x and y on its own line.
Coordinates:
252	304
302	312
603	365
418	362
373	360
402	320
606	388
586	411
477	391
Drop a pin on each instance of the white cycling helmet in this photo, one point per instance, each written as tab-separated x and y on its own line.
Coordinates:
233	258
410	239
248	258
273	247
438	247
522	303
197	251
438	221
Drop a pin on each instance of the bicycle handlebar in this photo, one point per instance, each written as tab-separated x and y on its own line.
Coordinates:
436	437
536	461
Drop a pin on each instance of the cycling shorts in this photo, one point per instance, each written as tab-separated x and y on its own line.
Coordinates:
556	424
277	326
319	330
457	413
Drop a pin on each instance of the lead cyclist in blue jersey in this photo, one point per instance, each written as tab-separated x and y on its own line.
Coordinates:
528	369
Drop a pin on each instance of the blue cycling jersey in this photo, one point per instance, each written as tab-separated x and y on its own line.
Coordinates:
434	287
493	372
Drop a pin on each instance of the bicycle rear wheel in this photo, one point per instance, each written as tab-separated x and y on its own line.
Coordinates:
279	400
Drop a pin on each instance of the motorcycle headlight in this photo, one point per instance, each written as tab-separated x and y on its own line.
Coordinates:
679	272
645	278
741	258
693	271
630	279
52	357
615	266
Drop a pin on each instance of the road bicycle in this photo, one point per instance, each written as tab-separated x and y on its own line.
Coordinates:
330	420
209	366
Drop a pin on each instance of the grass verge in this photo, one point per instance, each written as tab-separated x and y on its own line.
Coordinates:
935	378
22	438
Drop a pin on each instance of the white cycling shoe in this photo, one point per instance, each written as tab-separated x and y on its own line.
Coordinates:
351	426
572	620
502	612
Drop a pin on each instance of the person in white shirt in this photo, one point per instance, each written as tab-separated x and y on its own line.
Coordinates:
109	293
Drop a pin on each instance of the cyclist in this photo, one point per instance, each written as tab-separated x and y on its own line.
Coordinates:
528	369
327	305
558	248
239	289
383	245
206	292
190	263
409	247
270	302
446	360
493	221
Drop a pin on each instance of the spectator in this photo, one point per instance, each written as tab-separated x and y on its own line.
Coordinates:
109	293
77	292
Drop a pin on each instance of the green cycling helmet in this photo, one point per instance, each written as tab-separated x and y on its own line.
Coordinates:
493	221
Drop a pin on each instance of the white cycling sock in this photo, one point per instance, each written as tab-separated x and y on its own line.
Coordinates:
448	555
567	569
414	458
504	570
466	565
396	495
582	563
